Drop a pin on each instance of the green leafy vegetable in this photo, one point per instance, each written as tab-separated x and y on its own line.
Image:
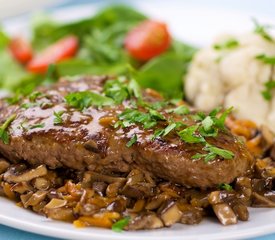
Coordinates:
190	135
229	44
85	99
181	110
267	93
262	30
58	117
4	135
225	186
213	152
131	116
38	125
119	225
132	141
266	59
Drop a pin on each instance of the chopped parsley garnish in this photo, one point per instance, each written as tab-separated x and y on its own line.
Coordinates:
266	59
132	141
33	96
4	135
190	135
229	44
267	93
119	225
29	105
14	99
58	117
213	152
38	125
117	90
181	110
131	116
225	186
262	30
85	99
120	90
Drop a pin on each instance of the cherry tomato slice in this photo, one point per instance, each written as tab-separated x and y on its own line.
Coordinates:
147	40
63	49
20	49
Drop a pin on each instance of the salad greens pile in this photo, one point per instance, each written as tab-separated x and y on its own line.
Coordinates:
101	51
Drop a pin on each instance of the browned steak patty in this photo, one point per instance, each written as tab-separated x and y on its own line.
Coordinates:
87	140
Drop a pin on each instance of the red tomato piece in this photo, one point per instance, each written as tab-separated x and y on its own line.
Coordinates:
20	49
147	40
63	49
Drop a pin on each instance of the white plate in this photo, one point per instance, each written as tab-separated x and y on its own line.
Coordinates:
191	23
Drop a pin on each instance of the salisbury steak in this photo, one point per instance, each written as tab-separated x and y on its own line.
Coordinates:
46	130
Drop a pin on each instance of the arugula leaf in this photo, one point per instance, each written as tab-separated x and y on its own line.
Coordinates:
58	117
266	59
29	105
229	44
225	186
119	225
4	136
189	135
132	141
164	74
85	99
262	30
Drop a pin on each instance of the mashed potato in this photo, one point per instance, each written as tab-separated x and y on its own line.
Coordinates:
228	73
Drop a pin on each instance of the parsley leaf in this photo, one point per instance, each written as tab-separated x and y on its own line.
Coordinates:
267	93
4	136
262	30
148	120
225	186
58	117
33	96
266	59
189	135
229	44
39	125
119	225
29	105
85	99
117	90
132	141
181	110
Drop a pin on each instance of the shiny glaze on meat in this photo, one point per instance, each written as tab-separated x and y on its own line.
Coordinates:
87	140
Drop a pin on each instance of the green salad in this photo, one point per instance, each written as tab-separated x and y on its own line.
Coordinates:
116	39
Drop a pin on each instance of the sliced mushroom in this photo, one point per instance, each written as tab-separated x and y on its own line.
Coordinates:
225	214
113	189
261	201
215	197
16	177
62	213
41	183
190	214
34	198
145	221
4	165
22	187
241	211
156	201
170	213
90	177
56	203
